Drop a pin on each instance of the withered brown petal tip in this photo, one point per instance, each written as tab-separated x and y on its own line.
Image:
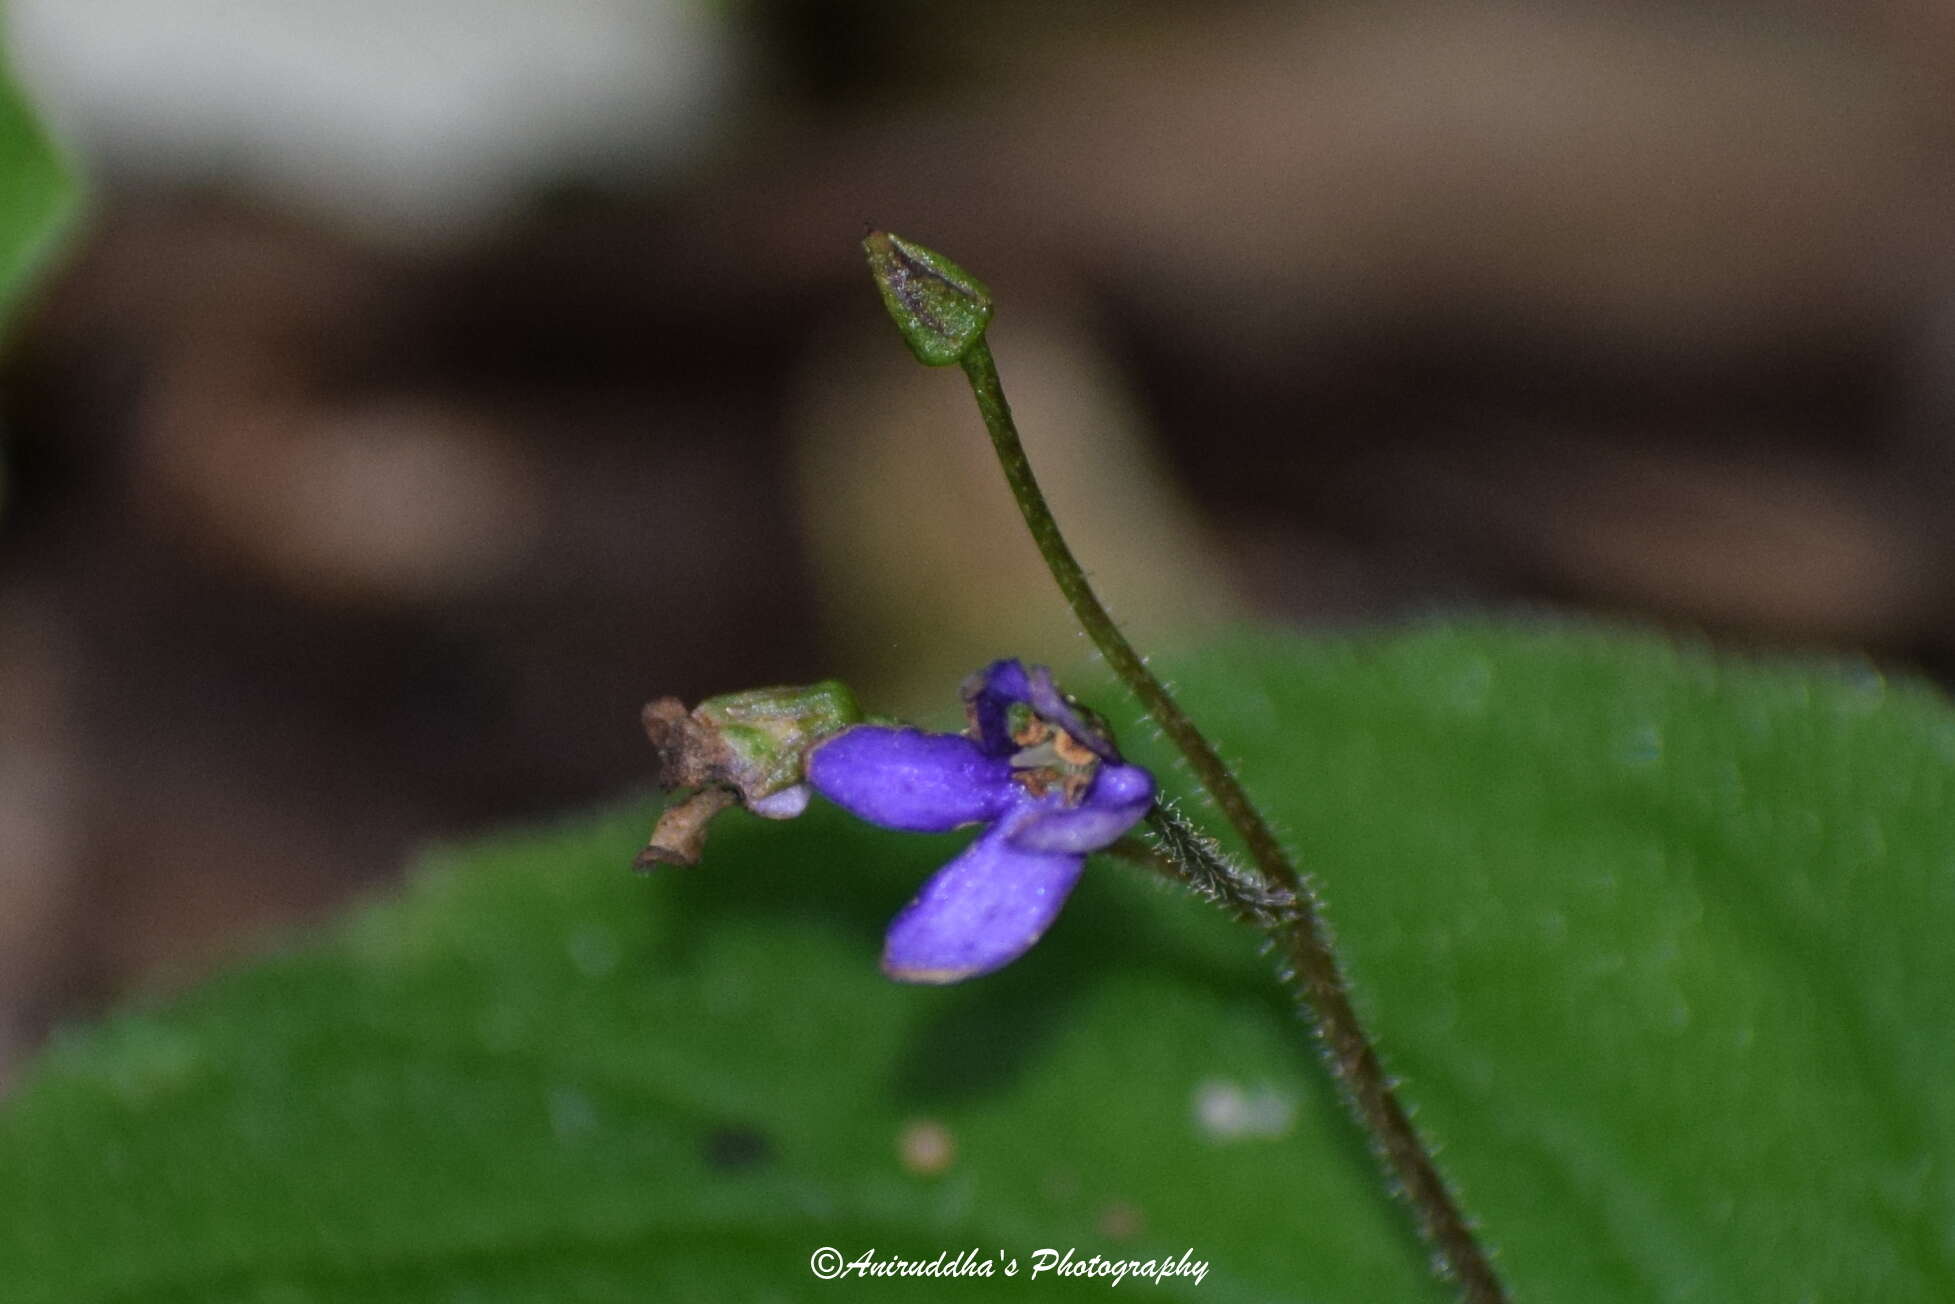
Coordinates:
680	836
664	720
653	856
687	754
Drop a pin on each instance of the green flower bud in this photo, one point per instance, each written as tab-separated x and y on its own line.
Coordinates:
941	309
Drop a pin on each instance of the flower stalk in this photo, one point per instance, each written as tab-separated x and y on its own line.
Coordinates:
1285	902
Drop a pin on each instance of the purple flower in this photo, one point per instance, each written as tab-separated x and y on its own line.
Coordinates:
1044	780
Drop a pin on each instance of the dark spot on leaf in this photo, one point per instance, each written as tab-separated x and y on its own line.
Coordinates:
732	1149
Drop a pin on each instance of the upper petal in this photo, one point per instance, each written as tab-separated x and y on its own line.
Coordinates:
911	780
989	695
1117	801
980	912
1050	703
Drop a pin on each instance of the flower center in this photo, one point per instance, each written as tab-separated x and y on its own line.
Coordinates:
1048	756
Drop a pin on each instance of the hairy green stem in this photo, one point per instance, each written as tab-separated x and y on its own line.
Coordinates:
1298	926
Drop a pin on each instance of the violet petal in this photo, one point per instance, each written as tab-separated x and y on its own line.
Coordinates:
1046	699
980	912
783	805
911	780
990	694
1117	801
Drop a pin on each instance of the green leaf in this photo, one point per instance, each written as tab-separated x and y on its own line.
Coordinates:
1656	942
38	197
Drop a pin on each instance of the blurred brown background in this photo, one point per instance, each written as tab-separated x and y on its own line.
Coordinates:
437	380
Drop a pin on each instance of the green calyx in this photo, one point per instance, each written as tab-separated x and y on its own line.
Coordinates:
941	309
747	748
767	731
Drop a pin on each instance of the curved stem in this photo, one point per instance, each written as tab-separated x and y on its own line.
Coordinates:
1299	927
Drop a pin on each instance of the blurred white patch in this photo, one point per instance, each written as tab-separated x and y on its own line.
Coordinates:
926	1147
416	118
1227	1111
